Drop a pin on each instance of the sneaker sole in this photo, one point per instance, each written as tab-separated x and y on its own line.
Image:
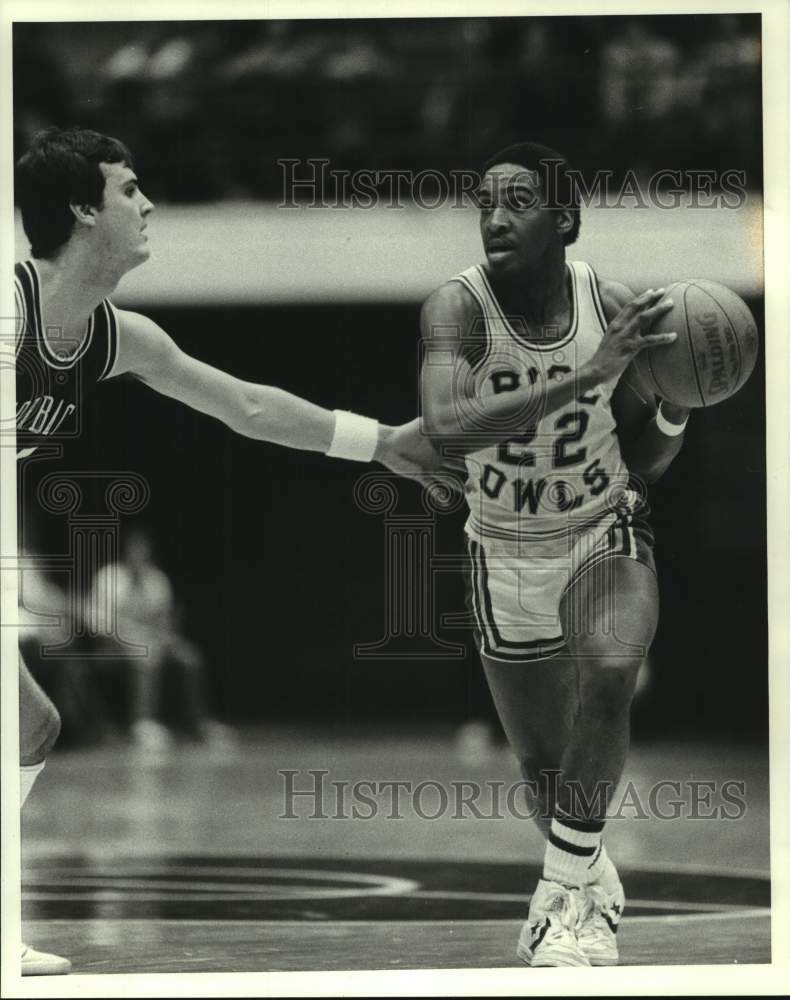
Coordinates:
563	959
62	968
603	959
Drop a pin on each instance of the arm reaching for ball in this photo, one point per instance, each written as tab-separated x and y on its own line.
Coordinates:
463	422
650	437
265	412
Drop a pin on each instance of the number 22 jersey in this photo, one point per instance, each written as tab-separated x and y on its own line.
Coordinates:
565	468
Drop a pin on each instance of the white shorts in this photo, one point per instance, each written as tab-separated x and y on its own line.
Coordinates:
515	598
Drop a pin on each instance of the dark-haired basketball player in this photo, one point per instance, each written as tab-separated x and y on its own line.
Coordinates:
527	373
86	219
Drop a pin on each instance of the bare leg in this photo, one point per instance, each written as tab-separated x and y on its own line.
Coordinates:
569	715
39	721
39	726
145	680
537	704
620	621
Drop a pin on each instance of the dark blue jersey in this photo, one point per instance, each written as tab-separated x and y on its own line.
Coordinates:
54	375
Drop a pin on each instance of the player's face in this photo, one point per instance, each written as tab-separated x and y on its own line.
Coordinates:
123	217
515	226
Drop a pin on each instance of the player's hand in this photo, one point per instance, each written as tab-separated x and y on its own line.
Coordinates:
629	333
409	451
675	414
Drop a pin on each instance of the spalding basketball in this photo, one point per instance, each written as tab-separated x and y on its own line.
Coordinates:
715	350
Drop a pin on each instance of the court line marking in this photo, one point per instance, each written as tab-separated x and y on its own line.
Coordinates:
689	868
658	904
266	895
367	885
498	921
673	918
40	853
141	870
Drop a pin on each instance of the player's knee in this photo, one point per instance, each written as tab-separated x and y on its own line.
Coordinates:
608	686
36	744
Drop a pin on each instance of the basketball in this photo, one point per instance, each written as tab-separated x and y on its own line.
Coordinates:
716	347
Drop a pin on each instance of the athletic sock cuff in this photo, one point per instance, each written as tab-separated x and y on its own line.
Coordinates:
579	825
573	840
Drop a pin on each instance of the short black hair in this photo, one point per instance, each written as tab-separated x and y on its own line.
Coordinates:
60	167
556	176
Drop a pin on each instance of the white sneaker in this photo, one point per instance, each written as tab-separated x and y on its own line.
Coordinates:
598	922
39	963
548	938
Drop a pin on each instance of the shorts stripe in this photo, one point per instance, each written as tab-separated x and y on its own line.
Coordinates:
627	547
492	641
475	570
621	540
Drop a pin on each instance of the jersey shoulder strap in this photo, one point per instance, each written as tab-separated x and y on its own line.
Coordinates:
107	324
102	348
25	290
588	298
492	325
475	280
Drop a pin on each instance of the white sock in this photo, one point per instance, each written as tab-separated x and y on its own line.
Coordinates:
572	848
603	870
27	777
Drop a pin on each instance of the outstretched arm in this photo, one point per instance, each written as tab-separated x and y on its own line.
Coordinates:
646	446
456	414
264	412
256	411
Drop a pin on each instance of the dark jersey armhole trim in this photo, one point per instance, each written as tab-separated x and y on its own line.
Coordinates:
21	317
112	339
596	297
475	362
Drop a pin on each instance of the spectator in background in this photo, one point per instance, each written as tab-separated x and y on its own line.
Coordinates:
146	616
279	59
638	90
356	94
545	54
42	92
462	83
158	84
46	640
729	122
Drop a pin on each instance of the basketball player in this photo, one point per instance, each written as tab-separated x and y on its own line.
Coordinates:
527	372
86	219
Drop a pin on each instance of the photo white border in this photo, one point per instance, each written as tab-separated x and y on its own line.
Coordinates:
646	981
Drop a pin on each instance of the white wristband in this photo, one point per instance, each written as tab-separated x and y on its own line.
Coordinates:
670	429
355	437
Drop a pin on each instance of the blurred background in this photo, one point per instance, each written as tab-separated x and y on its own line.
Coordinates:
274	571
208	107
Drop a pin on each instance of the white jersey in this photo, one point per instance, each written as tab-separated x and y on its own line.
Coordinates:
562	469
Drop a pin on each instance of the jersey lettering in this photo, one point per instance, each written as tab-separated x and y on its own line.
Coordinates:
576	422
510	453
505	381
562	462
528	493
37	423
492	481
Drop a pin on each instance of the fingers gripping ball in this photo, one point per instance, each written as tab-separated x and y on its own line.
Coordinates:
715	350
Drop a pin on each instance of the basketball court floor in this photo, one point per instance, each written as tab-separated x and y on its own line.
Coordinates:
199	860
